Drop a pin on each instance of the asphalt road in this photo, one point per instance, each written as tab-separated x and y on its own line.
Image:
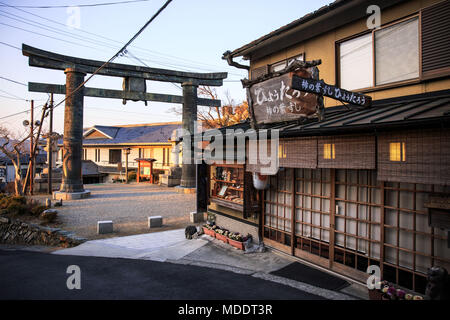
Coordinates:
35	275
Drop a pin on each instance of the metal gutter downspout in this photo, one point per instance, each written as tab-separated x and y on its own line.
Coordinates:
227	56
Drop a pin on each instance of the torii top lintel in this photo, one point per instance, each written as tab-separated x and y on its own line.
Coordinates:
50	60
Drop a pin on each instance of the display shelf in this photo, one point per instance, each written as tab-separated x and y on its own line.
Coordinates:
227	183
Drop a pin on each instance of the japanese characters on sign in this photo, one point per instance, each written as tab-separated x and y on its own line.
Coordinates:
320	87
275	101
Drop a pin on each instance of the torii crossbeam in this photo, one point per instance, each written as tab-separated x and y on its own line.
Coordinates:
134	89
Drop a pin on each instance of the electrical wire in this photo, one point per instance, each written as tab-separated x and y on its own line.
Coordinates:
13	95
115	55
139	60
10	45
80	5
47	36
151	52
12	98
25	111
14	81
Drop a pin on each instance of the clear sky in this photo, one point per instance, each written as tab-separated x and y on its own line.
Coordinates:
189	35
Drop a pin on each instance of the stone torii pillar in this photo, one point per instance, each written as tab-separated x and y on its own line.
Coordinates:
188	176
134	89
72	179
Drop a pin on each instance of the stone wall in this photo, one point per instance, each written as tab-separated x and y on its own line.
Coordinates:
18	232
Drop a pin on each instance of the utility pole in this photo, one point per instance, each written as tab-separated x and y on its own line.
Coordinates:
31	147
49	149
127	152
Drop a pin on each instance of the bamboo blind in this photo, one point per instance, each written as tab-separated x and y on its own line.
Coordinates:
292	153
298	153
426	157
346	152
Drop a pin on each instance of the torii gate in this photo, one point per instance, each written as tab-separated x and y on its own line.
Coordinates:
134	89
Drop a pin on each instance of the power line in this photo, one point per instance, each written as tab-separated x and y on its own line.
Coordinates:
18	113
79	5
10	45
82	38
17	97
151	52
12	98
139	60
47	36
14	81
117	54
51	29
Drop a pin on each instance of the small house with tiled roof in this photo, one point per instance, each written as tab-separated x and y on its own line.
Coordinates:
107	147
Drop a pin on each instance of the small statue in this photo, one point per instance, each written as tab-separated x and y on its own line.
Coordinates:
438	285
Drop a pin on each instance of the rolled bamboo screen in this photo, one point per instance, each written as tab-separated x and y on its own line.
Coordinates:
346	152
424	156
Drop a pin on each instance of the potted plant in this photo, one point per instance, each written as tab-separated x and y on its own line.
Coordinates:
209	230
389	292
221	234
236	240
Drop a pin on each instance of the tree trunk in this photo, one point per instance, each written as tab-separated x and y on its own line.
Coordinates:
18	181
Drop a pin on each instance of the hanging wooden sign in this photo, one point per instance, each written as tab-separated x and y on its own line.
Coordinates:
273	100
306	84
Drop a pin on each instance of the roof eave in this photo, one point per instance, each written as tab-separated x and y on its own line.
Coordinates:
325	19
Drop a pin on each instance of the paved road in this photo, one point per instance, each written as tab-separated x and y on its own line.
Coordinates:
35	275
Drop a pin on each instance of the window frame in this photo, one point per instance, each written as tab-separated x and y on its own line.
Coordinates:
376	87
285	61
119	151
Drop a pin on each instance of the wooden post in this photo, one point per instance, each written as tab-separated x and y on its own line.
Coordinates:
293	211
126	166
31	164
138	172
332	234
50	150
151	172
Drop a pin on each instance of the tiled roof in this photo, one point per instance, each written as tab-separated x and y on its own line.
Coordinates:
109	131
408	111
141	134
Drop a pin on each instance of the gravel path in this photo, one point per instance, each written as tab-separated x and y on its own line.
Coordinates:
128	206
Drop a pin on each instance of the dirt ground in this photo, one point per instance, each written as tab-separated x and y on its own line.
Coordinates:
128	206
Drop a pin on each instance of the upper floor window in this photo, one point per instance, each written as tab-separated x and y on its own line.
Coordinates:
386	55
97	155
115	156
276	67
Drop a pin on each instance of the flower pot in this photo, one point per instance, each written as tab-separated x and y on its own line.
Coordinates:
375	294
237	244
209	232
222	237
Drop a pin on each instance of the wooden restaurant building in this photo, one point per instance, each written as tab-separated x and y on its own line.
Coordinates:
357	185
